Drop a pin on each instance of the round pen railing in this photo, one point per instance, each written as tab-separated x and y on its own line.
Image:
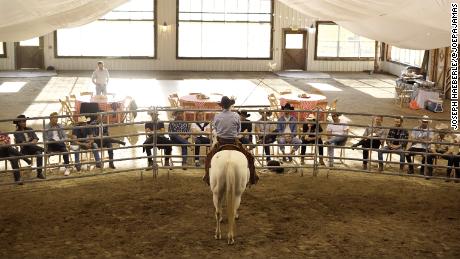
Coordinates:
261	159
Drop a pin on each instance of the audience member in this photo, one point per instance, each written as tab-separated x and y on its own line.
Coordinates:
267	129
82	138
8	151
396	141
55	134
287	127
179	134
311	138
418	143
203	128
337	135
246	128
162	142
29	141
104	141
442	147
374	134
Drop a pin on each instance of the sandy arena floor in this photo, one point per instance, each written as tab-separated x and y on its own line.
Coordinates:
285	216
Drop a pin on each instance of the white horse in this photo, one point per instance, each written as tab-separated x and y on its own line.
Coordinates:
229	175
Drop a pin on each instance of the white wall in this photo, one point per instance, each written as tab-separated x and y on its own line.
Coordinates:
393	68
284	17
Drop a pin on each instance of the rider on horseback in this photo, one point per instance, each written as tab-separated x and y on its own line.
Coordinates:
227	125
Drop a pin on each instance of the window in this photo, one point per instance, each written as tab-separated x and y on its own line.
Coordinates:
224	29
335	42
2	49
407	56
126	31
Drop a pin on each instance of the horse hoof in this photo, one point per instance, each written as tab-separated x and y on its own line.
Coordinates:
231	242
217	237
237	217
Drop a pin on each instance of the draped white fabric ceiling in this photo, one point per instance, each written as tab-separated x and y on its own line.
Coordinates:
415	24
25	19
412	24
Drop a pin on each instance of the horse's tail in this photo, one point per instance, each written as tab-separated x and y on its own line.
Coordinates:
230	194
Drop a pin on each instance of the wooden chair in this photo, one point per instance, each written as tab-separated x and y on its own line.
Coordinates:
274	104
331	108
71	99
68	112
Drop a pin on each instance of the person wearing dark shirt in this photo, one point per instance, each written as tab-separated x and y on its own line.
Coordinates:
29	140
9	151
106	141
395	143
246	127
179	134
162	141
310	138
200	127
83	139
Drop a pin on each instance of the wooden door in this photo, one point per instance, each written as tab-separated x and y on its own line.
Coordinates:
29	54
294	49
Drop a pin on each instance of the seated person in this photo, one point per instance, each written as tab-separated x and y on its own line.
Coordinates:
178	133
418	143
29	140
228	125
200	127
246	127
82	138
310	138
396	140
444	148
337	135
54	133
377	133
9	151
162	142
287	127
266	129
106	141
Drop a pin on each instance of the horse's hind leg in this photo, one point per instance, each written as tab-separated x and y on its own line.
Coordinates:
237	205
218	216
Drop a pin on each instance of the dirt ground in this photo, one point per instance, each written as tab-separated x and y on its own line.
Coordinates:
285	216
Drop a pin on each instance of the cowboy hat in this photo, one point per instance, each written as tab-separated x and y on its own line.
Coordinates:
441	126
21	117
82	119
244	114
310	117
265	111
287	106
425	118
226	102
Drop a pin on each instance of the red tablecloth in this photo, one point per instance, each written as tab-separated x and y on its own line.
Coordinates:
106	103
193	102
299	103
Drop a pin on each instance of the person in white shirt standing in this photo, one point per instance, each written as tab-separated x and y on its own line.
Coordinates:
101	78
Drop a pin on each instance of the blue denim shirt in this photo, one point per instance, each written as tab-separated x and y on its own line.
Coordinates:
50	129
282	125
227	124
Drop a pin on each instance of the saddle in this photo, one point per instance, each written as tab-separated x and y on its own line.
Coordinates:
237	147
